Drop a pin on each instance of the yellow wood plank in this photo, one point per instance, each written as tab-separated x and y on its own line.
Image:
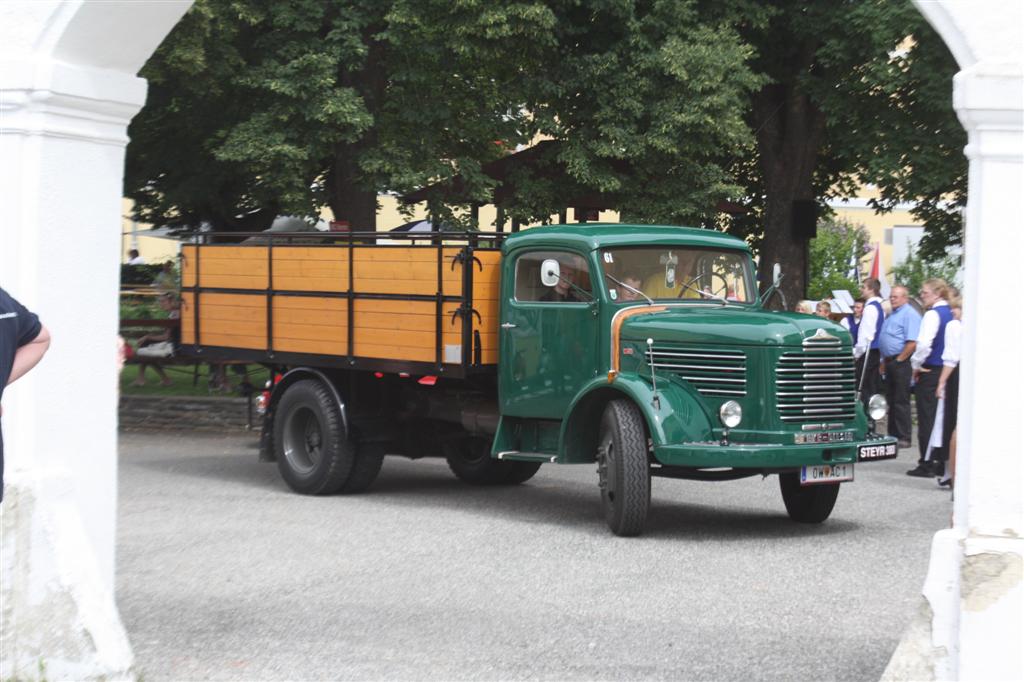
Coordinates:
242	300
213	325
310	346
308	332
338	254
233	281
333	284
233	340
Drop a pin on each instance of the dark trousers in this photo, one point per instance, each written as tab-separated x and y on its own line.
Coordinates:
897	385
949	411
927	403
871	382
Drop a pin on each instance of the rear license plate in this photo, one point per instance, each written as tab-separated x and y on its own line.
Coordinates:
826	473
870	453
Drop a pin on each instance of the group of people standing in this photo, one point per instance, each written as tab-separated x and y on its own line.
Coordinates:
904	352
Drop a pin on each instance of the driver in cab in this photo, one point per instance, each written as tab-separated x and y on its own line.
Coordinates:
564	291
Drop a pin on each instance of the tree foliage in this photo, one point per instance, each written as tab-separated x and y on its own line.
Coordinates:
918	267
834	253
855	92
663	108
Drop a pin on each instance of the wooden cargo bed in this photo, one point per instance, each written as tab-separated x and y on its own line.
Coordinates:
427	309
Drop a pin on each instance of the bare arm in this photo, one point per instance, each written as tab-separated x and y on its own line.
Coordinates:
940	390
29	355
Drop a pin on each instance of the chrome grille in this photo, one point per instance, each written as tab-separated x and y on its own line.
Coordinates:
712	372
816	384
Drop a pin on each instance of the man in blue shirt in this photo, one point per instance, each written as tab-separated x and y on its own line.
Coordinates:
897	342
23	340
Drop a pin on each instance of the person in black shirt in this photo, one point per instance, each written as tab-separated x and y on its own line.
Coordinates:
23	341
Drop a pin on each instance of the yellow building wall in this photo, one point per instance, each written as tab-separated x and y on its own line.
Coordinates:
154	250
857	212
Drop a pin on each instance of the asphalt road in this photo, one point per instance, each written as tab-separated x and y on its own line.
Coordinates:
225	574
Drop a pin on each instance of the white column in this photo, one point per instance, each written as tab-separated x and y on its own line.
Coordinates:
988	512
972	619
68	90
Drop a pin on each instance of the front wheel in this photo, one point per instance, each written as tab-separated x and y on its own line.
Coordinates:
624	473
808	503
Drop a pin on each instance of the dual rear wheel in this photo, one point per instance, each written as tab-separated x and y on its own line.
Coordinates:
315	453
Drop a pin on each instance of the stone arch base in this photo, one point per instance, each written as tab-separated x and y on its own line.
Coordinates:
67	92
59	620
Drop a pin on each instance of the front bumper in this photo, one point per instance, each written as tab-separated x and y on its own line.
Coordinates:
772	456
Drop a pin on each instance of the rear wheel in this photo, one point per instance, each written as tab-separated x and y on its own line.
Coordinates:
624	473
470	460
314	454
809	503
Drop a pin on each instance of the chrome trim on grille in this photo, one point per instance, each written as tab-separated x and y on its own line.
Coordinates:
711	373
816	382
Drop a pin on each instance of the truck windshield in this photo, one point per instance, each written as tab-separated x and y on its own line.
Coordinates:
672	273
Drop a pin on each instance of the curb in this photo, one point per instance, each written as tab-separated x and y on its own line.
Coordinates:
177	413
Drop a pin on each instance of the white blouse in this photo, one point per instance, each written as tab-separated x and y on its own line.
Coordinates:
951	351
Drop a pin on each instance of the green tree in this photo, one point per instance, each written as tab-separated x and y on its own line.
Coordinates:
855	92
259	107
836	250
918	267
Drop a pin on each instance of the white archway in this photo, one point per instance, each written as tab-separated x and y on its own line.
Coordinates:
67	92
68	89
970	627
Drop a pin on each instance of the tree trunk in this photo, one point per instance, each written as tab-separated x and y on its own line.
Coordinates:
790	132
353	198
348	199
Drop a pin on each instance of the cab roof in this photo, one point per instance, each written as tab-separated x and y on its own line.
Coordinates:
591	236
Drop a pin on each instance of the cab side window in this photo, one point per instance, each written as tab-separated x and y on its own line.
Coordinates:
573	271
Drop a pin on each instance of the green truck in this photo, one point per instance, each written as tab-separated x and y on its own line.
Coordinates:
643	350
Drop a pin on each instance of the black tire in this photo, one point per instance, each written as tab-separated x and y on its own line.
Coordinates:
809	503
314	454
624	472
470	460
519	472
364	473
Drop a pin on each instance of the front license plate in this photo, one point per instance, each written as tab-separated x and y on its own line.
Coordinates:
870	453
826	473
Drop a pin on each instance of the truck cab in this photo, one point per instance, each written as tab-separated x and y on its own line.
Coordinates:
648	350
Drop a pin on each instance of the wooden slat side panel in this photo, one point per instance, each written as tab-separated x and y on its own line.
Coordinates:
233	267
233	320
311	325
308	269
405	270
486	295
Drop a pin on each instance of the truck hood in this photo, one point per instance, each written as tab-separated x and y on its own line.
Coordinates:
727	325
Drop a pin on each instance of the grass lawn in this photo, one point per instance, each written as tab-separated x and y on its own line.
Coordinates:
182	378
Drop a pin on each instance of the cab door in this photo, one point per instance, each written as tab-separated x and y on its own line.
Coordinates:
549	344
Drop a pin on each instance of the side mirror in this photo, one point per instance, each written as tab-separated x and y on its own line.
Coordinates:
776	275
549	272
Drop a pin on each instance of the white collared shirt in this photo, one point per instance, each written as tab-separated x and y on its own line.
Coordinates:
926	336
868	324
951	351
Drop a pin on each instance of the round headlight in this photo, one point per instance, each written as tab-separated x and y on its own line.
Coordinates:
730	413
878	406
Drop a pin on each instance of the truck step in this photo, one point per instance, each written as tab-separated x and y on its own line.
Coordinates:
527	456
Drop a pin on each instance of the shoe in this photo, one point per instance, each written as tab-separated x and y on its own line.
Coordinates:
945	483
904	445
922	470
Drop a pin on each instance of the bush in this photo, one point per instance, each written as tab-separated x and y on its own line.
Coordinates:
912	272
830	254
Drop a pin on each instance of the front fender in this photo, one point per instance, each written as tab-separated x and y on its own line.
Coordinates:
679	416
